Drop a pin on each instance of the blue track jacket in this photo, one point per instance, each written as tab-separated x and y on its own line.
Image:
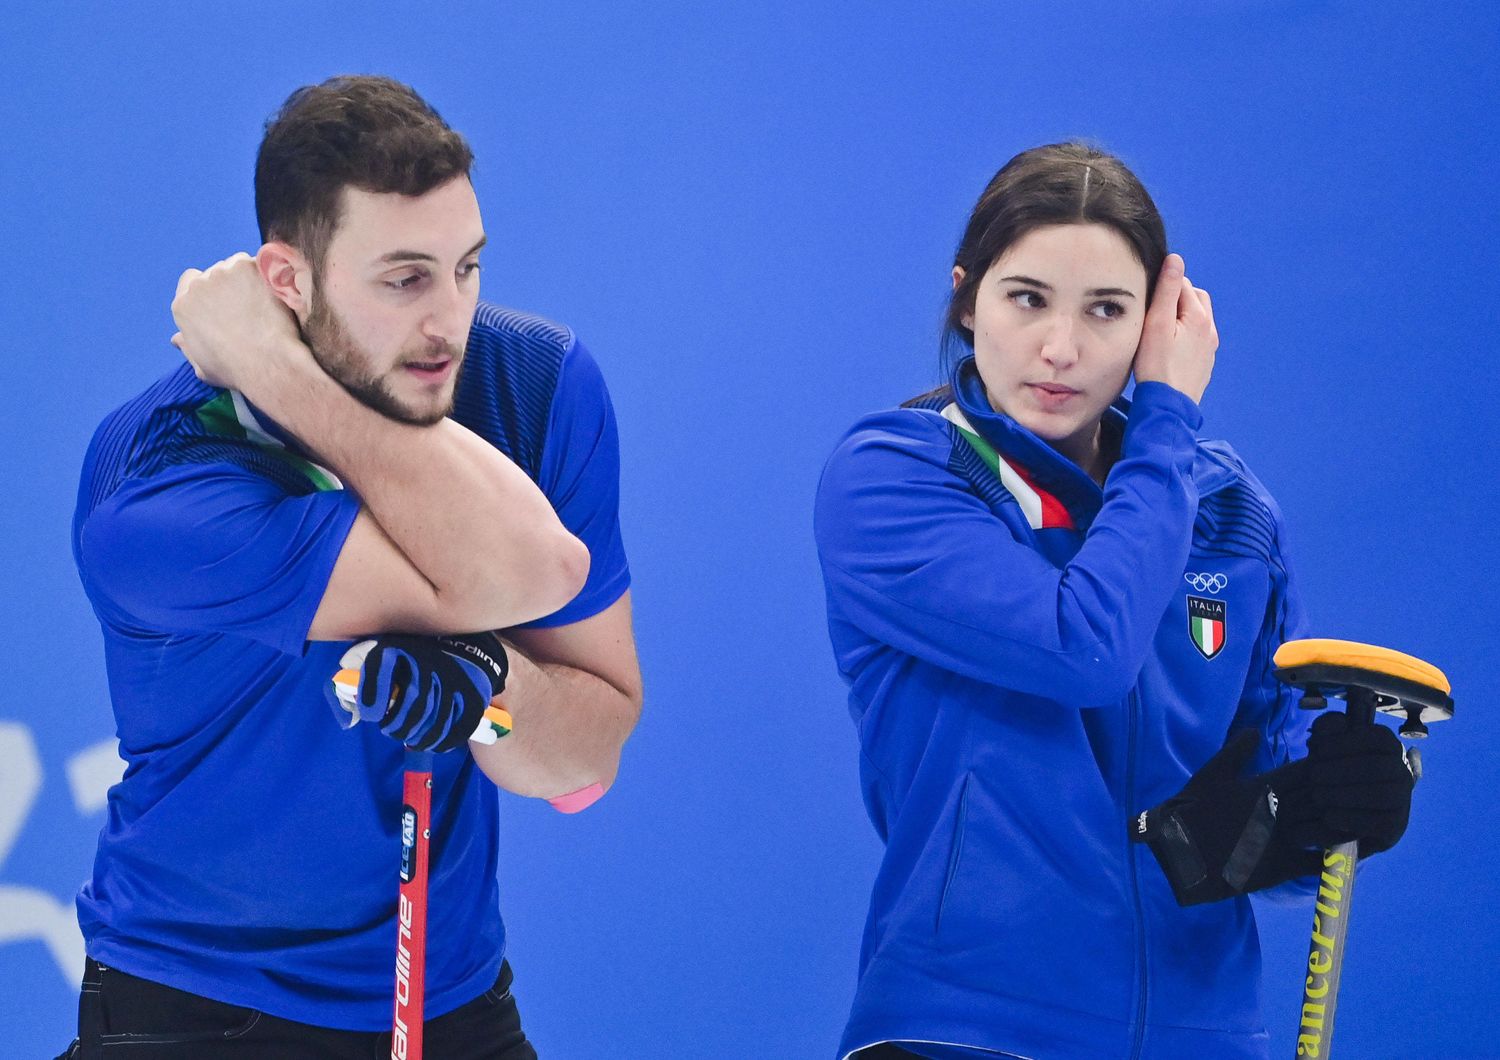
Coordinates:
1031	662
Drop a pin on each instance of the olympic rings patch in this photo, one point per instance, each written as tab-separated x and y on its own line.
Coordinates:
1207	583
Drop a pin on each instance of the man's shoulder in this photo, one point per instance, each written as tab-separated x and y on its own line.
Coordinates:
140	432
177	391
519	331
177	423
503	323
515	370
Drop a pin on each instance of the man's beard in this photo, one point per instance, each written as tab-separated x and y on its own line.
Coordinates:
339	356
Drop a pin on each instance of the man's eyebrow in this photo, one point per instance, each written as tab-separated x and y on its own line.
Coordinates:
396	257
1097	292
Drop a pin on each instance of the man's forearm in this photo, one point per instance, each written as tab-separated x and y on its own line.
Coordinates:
476	527
569	728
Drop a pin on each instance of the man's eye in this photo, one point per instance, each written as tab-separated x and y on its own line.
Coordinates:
1027	299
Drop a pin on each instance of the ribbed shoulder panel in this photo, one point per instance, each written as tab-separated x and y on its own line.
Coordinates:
1238	519
510	376
160	428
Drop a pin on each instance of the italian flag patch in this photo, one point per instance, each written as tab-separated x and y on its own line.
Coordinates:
1206	623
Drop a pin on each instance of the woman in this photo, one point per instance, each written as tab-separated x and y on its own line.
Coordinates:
1053	607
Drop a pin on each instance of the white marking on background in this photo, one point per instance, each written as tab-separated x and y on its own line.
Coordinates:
92	772
20	780
28	914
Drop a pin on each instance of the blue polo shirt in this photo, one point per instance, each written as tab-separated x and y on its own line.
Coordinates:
250	851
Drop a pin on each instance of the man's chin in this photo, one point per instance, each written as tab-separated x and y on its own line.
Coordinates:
422	413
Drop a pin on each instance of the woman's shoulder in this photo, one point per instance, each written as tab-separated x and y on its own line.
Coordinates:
1232	498
903	433
1218	462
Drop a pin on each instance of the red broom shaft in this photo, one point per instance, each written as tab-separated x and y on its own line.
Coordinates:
411	909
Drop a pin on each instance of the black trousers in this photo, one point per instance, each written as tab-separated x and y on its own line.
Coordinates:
130	1018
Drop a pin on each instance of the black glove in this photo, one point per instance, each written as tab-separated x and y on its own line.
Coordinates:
1225	834
430	692
1359	787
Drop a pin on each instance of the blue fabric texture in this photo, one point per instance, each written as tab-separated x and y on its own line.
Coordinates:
1020	695
250	853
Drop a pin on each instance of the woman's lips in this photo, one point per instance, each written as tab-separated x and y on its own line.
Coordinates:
1052	396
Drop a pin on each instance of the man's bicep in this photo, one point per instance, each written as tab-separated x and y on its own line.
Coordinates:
375	589
602	645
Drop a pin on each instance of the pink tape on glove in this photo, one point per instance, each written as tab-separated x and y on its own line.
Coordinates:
581	799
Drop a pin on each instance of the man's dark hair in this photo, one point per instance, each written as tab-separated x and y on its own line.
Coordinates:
1066	183
360	131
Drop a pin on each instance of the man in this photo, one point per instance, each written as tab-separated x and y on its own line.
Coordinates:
299	485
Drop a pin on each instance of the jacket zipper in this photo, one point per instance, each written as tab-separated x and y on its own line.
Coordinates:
1135	884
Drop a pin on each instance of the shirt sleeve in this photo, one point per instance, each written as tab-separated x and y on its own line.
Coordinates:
915	560
580	474
213	548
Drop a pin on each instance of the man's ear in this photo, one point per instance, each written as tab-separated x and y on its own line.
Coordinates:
288	274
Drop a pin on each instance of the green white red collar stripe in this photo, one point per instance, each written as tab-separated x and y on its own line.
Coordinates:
228	413
1042	509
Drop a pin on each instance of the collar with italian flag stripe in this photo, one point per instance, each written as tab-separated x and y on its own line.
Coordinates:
1042	509
228	414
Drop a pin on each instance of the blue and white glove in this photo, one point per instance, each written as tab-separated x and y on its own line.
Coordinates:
429	693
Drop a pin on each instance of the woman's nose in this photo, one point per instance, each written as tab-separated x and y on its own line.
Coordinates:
1060	347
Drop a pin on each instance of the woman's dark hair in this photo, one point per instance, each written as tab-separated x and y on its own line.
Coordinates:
1067	183
366	132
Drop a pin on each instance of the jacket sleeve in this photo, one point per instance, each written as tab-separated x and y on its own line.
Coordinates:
1268	705
914	559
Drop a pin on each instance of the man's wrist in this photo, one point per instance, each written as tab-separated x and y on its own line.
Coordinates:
285	376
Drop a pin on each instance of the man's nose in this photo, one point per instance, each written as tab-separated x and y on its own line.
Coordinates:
451	315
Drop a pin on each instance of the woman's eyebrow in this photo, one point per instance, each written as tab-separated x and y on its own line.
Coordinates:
1097	292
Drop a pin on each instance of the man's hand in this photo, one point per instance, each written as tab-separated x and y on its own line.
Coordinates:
429	693
1179	339
232	328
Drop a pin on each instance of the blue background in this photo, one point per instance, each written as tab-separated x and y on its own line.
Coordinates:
748	211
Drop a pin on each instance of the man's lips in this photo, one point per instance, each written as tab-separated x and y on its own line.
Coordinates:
433	371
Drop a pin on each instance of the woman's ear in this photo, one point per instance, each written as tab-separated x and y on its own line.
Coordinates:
967	320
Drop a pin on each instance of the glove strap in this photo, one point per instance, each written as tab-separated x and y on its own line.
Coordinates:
1252	844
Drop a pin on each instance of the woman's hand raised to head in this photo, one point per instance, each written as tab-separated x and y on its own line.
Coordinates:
1179	338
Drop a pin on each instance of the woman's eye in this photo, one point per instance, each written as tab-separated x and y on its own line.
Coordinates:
471	269
404	283
1027	299
1107	310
